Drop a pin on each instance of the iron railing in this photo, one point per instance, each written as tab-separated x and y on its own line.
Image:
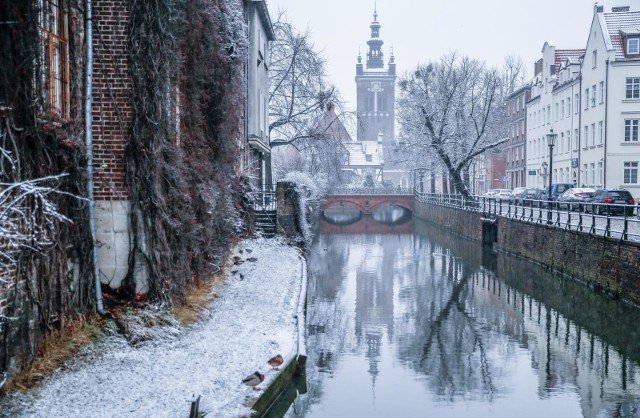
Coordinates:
625	227
372	191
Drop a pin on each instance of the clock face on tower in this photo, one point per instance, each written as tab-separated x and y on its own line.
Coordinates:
376	87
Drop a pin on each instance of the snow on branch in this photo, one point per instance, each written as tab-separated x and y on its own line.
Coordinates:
28	216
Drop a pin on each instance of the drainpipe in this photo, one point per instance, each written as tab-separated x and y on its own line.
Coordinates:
88	131
606	119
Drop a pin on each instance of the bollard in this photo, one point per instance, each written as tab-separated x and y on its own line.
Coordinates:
195	404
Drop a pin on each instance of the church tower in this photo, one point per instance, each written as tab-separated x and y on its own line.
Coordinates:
376	92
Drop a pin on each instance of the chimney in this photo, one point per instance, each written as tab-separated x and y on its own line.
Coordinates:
537	67
620	9
597	8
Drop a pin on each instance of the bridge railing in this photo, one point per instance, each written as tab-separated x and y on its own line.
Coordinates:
625	227
371	191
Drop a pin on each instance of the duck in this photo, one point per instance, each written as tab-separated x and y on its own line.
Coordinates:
253	380
275	361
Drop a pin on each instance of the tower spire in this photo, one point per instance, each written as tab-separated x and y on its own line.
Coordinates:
375	57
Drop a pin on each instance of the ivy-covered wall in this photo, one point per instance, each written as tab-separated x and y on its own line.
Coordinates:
168	111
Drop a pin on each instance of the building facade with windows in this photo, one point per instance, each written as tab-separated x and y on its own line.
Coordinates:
515	148
257	150
591	100
551	96
610	148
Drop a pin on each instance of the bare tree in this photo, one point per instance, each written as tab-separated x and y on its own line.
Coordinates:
451	111
305	117
299	90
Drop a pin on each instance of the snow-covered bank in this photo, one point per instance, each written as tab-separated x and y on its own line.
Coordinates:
252	319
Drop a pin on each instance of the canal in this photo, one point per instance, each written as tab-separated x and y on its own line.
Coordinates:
419	323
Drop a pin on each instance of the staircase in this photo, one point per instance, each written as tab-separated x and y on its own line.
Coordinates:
266	223
264	207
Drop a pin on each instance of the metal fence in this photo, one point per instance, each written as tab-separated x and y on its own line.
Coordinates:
625	227
338	191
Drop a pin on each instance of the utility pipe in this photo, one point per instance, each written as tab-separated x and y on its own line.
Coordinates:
88	135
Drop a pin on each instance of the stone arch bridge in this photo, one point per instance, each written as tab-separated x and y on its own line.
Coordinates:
368	200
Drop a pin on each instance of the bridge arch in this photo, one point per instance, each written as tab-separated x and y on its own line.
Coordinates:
368	203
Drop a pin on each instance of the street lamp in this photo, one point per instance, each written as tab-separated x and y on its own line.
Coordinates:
551	141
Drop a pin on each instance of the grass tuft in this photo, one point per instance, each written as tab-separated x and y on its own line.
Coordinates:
57	348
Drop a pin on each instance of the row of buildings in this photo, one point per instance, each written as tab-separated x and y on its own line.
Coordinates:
588	100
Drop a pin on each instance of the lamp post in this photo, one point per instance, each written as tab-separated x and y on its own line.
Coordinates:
551	141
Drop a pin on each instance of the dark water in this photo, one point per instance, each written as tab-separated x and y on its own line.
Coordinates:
427	325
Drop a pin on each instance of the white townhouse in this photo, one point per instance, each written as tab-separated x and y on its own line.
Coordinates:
610	105
552	109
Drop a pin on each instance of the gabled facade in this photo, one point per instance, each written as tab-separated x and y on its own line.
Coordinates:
547	110
610	150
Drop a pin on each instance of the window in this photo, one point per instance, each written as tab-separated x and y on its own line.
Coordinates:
568	141
52	82
576	135
633	88
561	144
631	130
593	173
633	46
557	111
549	115
576	103
630	172
601	92
593	134
594	59
562	110
600	133
593	95
568	106
600	172
586	99
586	136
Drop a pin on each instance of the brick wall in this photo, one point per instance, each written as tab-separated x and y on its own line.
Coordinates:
457	221
603	263
111	98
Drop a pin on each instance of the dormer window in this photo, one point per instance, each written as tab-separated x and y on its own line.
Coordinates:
633	46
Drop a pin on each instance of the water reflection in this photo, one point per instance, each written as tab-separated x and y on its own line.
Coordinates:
346	219
429	325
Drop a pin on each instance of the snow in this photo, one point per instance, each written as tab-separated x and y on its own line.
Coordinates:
251	319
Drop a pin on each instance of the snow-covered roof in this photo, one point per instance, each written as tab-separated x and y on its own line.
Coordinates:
617	26
363	154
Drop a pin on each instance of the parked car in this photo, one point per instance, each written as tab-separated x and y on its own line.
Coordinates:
503	194
552	192
610	201
574	198
514	194
528	195
491	193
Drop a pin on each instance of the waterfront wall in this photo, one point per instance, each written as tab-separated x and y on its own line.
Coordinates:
606	264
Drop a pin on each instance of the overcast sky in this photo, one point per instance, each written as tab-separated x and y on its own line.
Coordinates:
420	31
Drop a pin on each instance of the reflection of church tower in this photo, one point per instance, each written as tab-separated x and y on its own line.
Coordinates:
376	91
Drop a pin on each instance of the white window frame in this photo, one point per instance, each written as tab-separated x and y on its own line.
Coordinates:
601	92
630	172
631	130
633	46
632	90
